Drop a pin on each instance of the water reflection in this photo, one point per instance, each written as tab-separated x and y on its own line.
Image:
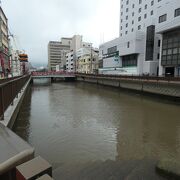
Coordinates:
78	127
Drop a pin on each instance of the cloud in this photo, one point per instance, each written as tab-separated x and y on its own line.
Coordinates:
36	22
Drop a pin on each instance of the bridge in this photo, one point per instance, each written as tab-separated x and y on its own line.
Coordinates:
52	74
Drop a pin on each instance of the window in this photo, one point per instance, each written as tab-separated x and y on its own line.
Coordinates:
139	18
152	12
133	5
132	21
126	17
140	1
129	60
126	24
177	12
145	7
145	16
159	43
162	18
112	50
133	14
128	44
139	27
158	56
139	10
152	3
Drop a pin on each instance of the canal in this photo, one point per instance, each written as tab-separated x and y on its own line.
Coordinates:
88	131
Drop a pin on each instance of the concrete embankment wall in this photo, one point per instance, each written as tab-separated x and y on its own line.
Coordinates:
163	88
11	113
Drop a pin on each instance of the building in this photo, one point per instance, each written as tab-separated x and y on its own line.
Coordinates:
70	63
15	63
4	45
139	44
168	26
57	51
87	60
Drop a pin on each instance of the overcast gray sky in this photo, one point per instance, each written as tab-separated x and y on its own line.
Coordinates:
36	22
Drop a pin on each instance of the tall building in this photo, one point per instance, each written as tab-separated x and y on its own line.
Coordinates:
4	45
138	49
57	51
168	26
62	55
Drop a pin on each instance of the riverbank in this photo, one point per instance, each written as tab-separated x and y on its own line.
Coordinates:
169	90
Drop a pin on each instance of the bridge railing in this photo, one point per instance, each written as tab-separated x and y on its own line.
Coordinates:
9	91
51	73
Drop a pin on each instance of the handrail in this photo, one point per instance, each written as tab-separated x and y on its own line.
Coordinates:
8	91
156	78
8	79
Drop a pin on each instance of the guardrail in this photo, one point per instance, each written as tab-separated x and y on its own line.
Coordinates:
8	91
8	79
155	78
51	73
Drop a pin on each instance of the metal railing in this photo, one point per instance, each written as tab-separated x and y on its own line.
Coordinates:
9	91
8	79
51	73
153	78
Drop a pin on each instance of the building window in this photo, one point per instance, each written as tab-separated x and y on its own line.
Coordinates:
139	10
129	60
177	12
133	14
158	56
159	43
163	18
132	21
145	7
152	3
139	18
152	12
145	16
127	25
112	50
140	1
139	27
150	42
126	17
128	44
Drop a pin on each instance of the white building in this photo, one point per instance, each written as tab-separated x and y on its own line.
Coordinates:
168	26
137	51
70	63
15	63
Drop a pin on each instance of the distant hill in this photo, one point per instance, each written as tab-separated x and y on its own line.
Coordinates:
38	65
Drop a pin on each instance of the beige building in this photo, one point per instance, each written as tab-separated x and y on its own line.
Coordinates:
4	45
87	63
57	51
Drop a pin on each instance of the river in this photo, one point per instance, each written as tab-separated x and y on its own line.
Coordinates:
88	131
